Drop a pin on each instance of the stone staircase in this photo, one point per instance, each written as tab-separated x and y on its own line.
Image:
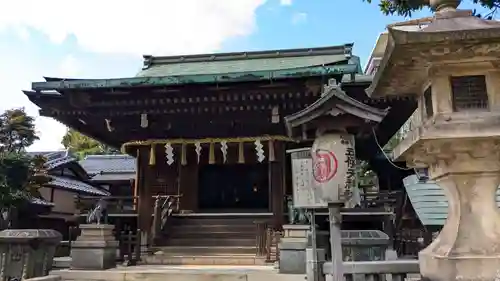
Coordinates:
216	239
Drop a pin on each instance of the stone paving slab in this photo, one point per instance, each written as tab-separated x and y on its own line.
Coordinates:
179	273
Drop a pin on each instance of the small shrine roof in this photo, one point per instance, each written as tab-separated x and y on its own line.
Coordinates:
334	102
414	45
227	67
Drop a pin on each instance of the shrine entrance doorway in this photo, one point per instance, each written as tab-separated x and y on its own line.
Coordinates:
234	188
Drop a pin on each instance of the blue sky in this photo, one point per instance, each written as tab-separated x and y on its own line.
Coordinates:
106	38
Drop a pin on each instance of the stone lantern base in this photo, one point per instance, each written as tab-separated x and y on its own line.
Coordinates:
95	248
468	247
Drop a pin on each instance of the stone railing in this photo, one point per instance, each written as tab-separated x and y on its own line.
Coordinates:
398	270
406	131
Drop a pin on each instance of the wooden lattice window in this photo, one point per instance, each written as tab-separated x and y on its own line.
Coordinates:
428	102
469	93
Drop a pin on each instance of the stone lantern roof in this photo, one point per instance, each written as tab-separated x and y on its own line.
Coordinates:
448	36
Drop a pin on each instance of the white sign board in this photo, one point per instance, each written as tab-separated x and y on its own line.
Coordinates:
334	167
304	193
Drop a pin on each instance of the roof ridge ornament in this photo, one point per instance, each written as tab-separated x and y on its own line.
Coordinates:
332	84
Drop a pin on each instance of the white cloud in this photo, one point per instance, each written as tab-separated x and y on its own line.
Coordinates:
136	27
50	132
299	18
286	2
69	67
158	27
23	33
18	73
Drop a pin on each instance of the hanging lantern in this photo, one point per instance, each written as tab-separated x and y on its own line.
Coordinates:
144	120
169	153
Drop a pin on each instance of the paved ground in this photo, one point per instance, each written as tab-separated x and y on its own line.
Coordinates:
179	273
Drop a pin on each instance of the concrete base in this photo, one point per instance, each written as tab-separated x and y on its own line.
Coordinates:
292	257
179	273
95	248
292	249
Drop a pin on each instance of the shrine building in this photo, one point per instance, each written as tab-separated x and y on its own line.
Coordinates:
210	129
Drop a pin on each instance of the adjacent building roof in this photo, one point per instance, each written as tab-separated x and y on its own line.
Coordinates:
429	200
41	202
56	159
110	167
76	185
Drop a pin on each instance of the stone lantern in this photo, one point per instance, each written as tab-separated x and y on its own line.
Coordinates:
451	62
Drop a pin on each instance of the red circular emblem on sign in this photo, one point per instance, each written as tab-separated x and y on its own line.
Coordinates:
324	165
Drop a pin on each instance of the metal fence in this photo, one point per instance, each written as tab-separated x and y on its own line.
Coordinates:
395	270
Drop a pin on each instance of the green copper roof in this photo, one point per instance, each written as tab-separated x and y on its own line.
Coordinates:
226	67
215	64
238	66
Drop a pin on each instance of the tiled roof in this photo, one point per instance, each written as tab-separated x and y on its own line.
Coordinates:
108	164
39	201
54	158
106	177
76	185
50	155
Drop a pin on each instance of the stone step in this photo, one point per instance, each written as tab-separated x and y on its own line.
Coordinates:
181	232
204	260
235	241
206	250
191	228
214	221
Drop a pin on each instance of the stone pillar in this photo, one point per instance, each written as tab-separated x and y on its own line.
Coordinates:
468	247
95	248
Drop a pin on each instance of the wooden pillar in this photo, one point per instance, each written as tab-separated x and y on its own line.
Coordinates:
143	186
276	185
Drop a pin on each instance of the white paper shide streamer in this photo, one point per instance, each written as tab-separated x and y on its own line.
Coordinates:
169	152
223	149
259	150
197	148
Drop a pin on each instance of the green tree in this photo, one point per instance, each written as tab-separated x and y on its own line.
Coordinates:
406	7
82	145
20	175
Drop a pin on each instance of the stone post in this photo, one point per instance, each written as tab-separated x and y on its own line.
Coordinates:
95	248
468	247
292	248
